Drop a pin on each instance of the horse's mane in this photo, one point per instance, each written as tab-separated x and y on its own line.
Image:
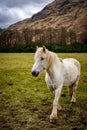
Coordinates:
51	58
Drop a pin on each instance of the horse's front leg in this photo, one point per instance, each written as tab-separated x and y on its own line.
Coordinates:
53	115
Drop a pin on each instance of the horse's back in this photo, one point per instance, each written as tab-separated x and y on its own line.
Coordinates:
73	63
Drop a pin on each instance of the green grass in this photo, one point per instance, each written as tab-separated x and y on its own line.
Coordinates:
26	102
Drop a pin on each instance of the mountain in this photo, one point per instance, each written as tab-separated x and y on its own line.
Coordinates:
66	16
1	29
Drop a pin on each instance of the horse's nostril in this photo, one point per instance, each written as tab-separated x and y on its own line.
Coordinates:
35	73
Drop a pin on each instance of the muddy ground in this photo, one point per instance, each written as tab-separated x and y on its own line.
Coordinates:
29	116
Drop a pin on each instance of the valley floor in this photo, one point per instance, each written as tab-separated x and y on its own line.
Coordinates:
26	102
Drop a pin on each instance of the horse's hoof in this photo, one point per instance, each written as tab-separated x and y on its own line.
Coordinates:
72	103
53	121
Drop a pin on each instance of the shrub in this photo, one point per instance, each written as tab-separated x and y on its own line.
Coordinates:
31	47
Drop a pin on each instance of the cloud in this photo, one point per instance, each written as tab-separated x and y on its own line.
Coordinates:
12	11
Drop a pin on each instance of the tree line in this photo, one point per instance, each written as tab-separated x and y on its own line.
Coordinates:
58	40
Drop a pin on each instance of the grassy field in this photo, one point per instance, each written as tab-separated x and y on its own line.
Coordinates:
26	103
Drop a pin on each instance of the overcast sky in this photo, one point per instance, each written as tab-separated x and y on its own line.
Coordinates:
12	11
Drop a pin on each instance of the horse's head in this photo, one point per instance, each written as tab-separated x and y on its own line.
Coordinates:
40	61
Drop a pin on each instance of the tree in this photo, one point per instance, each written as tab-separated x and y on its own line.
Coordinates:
27	34
72	36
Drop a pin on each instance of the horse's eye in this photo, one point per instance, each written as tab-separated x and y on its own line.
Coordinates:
42	58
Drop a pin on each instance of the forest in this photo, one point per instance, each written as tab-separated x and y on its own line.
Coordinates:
58	40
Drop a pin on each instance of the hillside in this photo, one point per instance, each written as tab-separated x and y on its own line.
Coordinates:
67	18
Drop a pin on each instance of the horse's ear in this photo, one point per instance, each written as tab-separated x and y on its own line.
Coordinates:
44	49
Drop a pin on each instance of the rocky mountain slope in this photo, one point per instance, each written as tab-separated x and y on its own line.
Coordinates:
69	14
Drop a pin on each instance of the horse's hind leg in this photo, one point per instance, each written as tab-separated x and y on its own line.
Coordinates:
72	92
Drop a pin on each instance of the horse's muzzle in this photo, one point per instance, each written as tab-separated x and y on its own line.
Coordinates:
35	73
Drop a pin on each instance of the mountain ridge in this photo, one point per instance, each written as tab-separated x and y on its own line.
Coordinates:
70	14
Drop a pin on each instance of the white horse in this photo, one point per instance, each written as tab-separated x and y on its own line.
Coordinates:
59	73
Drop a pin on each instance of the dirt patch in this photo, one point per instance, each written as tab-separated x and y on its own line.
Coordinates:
36	117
